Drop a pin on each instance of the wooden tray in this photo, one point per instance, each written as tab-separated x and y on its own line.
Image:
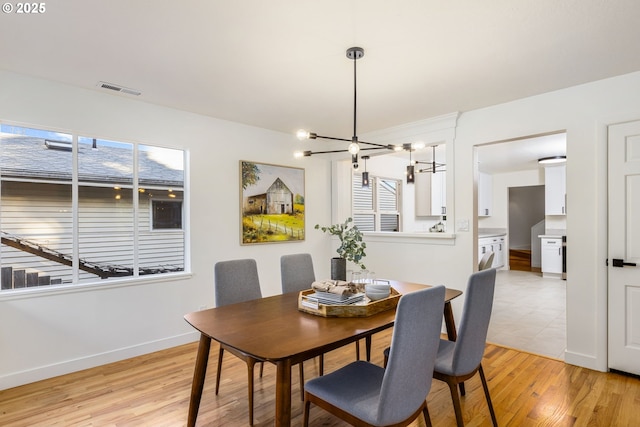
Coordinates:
353	310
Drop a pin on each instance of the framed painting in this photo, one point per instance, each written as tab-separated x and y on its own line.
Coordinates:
271	203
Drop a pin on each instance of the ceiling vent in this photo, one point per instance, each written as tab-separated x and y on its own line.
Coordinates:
117	88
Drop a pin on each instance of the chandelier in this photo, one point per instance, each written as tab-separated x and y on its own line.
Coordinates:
353	53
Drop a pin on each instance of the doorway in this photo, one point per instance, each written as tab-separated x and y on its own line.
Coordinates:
529	311
526	222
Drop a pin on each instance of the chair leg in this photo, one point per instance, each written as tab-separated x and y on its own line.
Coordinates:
261	368
486	393
357	350
301	364
456	403
220	354
425	413
367	341
250	365
386	360
305	421
321	368
463	392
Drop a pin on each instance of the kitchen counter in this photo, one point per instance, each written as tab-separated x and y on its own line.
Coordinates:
491	232
553	234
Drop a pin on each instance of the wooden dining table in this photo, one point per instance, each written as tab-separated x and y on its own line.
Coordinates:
274	330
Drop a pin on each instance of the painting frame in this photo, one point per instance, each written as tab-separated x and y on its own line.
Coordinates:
272	203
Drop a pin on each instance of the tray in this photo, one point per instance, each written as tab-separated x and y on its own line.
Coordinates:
362	309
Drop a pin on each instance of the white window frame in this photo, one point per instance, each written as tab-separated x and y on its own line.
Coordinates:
135	278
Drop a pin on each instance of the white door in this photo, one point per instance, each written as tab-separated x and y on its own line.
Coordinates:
624	247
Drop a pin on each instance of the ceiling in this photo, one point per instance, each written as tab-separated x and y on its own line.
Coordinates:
521	154
281	64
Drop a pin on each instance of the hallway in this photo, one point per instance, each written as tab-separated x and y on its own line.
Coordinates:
529	313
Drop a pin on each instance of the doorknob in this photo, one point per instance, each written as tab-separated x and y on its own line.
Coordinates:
621	263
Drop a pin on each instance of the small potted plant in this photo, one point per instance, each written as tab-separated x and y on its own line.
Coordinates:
351	247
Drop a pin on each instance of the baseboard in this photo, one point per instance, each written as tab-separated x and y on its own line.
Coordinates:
37	374
583	360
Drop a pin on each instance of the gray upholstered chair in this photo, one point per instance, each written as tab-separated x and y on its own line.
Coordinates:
237	281
486	261
296	273
364	394
459	360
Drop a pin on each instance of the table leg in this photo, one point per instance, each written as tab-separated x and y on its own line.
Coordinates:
283	393
449	321
452	335
198	378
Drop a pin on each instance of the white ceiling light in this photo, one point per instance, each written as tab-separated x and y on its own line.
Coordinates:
552	160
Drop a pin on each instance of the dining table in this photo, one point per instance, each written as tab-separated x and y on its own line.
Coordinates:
272	329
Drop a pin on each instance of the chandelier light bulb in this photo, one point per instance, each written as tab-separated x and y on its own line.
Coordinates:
298	154
354	148
302	134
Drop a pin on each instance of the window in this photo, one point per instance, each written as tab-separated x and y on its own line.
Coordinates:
166	214
68	212
377	207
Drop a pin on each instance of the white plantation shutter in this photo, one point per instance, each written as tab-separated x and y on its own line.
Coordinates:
377	207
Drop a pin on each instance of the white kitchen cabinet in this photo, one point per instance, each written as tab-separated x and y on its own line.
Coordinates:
555	190
485	194
438	193
496	244
551	248
430	194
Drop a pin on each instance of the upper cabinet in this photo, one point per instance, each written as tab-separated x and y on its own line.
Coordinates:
430	194
555	190
485	194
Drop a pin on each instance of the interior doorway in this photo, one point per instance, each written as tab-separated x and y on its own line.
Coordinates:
526	222
529	311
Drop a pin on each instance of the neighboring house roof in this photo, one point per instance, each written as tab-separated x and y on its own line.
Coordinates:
29	157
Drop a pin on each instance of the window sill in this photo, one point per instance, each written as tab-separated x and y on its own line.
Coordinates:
425	238
42	291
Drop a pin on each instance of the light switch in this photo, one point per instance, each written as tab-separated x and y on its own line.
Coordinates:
463	225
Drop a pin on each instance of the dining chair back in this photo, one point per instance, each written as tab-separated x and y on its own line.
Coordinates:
296	272
486	261
365	394
237	281
460	360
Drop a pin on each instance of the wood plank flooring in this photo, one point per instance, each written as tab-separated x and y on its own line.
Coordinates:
520	259
153	390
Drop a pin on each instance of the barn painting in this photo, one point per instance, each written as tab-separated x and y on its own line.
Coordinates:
272	203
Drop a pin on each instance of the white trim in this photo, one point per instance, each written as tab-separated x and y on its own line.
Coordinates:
410	238
39	291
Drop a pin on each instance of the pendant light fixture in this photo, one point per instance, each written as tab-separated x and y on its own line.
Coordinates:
365	174
432	166
411	177
353	53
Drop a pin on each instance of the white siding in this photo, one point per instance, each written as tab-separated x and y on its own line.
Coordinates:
41	213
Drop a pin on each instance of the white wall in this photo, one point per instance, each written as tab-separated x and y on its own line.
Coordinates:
500	204
47	334
50	334
584	112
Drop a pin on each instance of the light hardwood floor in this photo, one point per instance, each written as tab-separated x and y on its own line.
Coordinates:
153	390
